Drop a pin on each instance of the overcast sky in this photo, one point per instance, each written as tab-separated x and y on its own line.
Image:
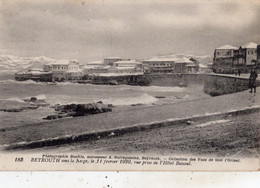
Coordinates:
91	30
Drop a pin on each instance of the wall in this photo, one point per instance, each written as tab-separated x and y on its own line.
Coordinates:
214	85
250	55
224	53
219	85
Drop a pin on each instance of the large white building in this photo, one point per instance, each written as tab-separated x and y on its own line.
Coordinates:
62	66
159	65
64	69
126	66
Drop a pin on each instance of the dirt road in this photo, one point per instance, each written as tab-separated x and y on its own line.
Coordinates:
234	136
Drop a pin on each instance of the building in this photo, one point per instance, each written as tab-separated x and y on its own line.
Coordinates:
126	67
159	65
229	59
110	60
94	69
250	52
223	59
170	65
184	65
64	70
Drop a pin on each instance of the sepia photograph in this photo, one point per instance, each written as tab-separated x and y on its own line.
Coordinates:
129	85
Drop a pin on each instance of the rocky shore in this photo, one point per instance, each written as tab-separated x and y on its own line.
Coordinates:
19	106
69	110
74	110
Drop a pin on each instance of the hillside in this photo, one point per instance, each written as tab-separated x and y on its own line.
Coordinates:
9	62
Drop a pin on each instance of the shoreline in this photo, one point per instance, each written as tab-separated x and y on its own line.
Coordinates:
137	118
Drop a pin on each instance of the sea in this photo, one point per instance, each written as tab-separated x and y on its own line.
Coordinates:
12	91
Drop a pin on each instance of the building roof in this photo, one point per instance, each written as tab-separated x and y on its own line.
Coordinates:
250	45
73	71
226	47
98	62
190	65
124	68
88	66
128	62
184	60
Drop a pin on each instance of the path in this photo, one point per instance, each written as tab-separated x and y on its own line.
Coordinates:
129	117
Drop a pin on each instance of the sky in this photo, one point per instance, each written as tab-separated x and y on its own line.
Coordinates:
91	30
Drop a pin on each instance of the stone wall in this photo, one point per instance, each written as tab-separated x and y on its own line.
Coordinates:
214	84
219	85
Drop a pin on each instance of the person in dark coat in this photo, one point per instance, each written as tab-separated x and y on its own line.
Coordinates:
252	80
239	72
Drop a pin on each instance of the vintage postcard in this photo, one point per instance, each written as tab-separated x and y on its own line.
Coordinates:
129	85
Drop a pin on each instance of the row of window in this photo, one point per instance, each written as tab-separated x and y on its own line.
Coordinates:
229	53
251	52
161	64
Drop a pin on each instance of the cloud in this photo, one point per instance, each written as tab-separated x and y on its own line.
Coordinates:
217	15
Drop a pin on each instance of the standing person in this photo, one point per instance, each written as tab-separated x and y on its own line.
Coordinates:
252	80
239	72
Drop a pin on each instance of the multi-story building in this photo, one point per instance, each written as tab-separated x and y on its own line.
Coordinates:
250	52
64	70
159	65
223	59
184	65
126	66
110	60
170	65
229	59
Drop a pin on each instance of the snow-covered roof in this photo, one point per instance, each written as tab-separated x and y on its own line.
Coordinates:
124	68
250	45
98	62
73	71
202	66
226	47
183	60
88	66
127	62
35	69
190	65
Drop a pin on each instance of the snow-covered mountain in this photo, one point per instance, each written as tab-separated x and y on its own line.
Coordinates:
9	62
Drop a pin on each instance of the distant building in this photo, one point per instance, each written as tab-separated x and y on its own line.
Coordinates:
170	65
184	65
126	67
94	69
223	59
110	60
64	70
159	65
